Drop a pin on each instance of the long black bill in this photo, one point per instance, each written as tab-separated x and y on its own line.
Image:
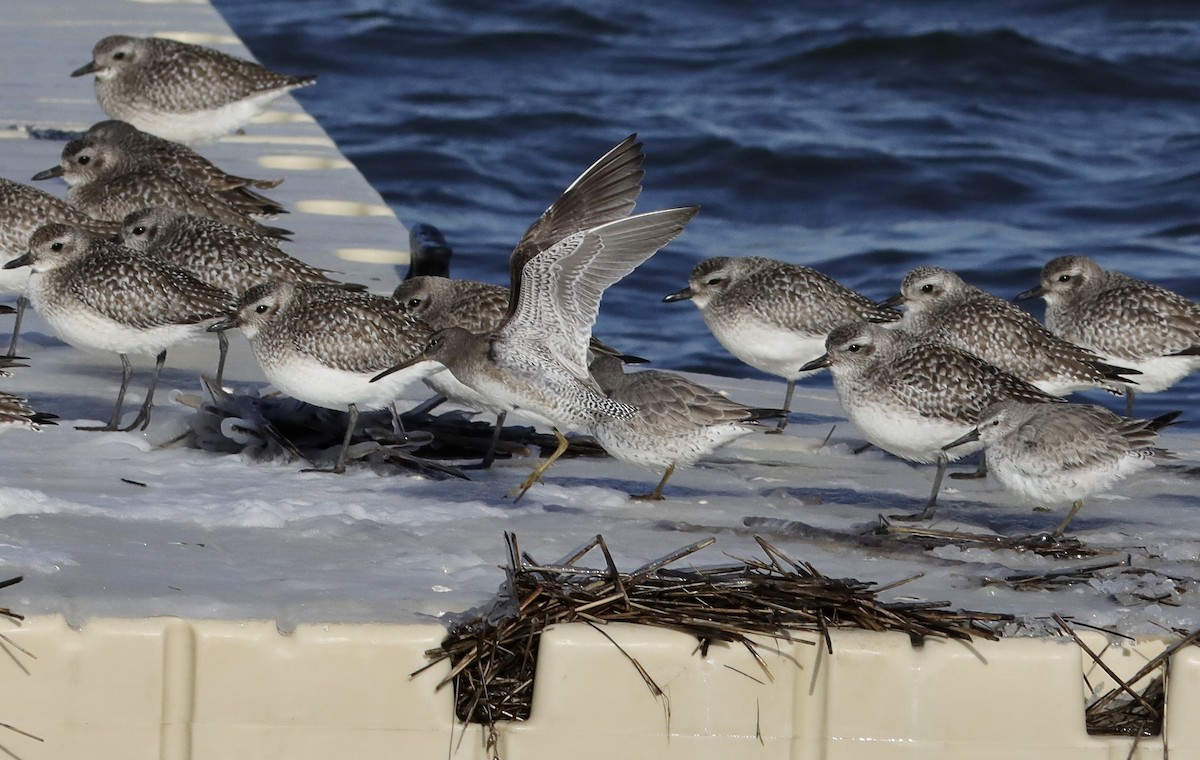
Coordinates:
1033	292
971	436
20	261
88	68
821	362
53	171
679	295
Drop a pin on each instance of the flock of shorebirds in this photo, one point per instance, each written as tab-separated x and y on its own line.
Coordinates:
155	245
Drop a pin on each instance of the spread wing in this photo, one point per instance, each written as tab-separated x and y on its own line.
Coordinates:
605	192
560	298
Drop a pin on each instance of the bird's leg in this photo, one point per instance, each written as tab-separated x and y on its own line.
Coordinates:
1129	401
126	374
490	457
143	418
862	448
12	345
980	472
1058	532
538	471
339	466
927	513
223	348
787	409
656	495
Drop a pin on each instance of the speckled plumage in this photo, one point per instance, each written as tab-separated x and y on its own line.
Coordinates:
183	92
350	334
101	296
1054	453
940	306
22	210
677	421
773	315
221	255
442	302
106	184
536	360
142	150
911	396
1126	321
324	345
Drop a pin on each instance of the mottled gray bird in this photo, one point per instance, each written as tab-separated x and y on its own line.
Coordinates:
226	257
106	184
911	396
1054	453
22	210
774	315
477	307
1126	321
940	306
323	345
606	191
537	360
100	296
676	423
187	93
143	150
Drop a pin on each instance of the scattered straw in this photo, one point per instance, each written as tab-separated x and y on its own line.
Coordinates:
493	656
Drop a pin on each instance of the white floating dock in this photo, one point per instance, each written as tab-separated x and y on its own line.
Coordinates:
192	654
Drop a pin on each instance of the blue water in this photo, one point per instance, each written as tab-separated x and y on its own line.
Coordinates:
863	139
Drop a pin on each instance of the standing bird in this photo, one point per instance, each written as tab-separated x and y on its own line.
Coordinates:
1128	322
606	191
22	210
324	345
477	307
911	396
1052	453
145	150
105	182
677	421
536	361
773	315
940	306
181	92
99	296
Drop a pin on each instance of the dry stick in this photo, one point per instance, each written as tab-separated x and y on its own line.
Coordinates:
1122	685
1154	663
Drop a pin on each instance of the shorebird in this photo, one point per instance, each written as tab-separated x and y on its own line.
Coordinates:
1128	322
940	305
144	150
324	345
100	296
536	361
911	396
106	183
1051	453
676	423
187	93
774	315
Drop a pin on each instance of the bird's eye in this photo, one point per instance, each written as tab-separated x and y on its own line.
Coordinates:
56	246
83	160
1064	278
435	342
995	423
927	288
715	281
413	303
119	56
260	309
139	230
854	348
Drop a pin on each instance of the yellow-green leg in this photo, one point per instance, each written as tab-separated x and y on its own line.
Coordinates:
536	475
